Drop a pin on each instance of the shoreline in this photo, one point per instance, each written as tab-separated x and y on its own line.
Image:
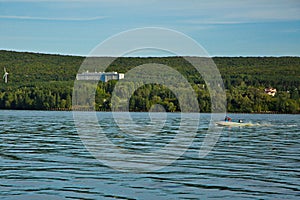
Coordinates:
89	110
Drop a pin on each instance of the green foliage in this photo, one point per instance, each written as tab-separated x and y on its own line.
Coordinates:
45	82
37	96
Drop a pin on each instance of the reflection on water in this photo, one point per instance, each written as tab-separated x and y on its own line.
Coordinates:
42	156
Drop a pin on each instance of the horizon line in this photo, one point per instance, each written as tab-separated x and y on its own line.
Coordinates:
142	56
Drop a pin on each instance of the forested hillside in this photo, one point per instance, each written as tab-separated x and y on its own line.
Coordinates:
43	81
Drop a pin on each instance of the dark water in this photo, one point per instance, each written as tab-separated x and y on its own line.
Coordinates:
43	157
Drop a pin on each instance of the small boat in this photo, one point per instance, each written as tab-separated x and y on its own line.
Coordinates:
229	123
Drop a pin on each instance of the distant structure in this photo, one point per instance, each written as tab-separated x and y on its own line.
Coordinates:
5	75
270	91
102	76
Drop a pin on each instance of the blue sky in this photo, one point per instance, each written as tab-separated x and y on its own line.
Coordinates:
223	28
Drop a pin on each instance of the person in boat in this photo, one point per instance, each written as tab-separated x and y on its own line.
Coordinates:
227	119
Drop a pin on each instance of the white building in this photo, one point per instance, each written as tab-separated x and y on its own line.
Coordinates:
102	76
271	91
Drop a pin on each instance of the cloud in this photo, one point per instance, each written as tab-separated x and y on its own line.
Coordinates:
239	12
52	18
212	22
190	12
267	13
82	1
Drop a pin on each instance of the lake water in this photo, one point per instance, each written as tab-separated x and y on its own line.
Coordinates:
43	157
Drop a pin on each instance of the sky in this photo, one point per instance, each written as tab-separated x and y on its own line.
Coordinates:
223	28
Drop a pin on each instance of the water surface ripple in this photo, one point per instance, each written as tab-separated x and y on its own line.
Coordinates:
42	157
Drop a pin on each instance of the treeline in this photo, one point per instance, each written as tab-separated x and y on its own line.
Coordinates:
45	82
38	96
246	99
